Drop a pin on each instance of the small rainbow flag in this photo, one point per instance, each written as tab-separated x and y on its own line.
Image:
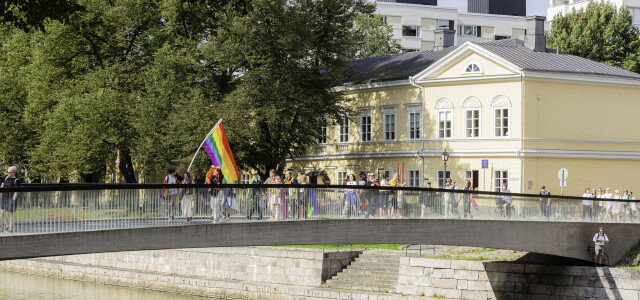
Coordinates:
217	147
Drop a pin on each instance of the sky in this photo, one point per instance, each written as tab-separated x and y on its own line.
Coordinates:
534	7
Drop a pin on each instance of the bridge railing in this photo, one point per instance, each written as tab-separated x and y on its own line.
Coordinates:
80	207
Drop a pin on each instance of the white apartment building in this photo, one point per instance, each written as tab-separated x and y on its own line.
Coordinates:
566	6
413	24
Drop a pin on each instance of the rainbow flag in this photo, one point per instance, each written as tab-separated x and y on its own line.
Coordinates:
217	147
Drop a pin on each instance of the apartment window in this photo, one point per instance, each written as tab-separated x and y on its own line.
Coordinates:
444	110
501	109
442	178
245	178
414	122
411	31
444	123
473	123
500	177
342	176
501	37
324	126
444	24
501	122
472	118
466	30
365	126
389	123
414	178
343	130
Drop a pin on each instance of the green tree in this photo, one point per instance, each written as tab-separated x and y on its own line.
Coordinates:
292	56
601	33
374	36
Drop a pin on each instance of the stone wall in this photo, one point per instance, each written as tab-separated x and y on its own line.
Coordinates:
501	280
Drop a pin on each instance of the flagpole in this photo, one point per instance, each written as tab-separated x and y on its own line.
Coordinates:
205	139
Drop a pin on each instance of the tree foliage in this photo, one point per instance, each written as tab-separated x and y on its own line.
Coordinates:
601	33
130	83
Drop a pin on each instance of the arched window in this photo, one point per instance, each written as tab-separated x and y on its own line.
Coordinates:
472	117
472	67
444	111
501	115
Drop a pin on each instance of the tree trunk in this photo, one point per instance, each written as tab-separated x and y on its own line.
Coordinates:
126	167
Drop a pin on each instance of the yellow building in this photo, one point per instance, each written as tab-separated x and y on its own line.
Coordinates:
525	110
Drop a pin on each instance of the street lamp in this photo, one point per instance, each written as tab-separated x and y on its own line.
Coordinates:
445	158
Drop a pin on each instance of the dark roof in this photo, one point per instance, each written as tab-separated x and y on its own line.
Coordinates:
394	67
402	66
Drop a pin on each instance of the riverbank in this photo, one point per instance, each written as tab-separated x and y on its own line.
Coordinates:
288	273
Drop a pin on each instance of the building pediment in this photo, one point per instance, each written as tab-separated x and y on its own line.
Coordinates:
468	61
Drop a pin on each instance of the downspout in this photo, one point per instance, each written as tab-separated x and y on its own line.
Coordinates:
419	151
519	152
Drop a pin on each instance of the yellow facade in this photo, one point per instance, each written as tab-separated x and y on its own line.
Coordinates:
586	125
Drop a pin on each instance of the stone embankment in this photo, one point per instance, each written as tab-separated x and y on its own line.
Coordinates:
280	273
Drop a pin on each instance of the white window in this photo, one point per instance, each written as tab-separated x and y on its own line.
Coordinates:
414	121
444	110
365	126
343	130
472	67
471	118
245	178
389	123
414	178
500	177
501	112
442	178
411	31
444	24
322	139
466	30
342	176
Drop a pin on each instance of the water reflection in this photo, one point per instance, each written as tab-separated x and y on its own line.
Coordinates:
22	287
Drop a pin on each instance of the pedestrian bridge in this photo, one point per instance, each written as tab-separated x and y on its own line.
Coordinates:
68	220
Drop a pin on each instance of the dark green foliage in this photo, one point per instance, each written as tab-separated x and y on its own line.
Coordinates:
601	33
125	82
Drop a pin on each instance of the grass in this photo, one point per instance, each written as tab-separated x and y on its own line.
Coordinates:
348	247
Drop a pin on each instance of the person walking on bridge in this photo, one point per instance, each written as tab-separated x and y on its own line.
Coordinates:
187	204
8	201
545	203
171	195
507	199
600	238
256	197
586	204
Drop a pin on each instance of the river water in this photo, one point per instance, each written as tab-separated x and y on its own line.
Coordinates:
17	286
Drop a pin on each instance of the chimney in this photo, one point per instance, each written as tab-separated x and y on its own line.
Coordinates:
445	38
535	39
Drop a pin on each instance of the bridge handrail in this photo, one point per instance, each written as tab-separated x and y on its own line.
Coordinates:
144	186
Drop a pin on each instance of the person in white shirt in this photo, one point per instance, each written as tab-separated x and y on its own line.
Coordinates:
616	207
600	238
350	200
607	204
586	204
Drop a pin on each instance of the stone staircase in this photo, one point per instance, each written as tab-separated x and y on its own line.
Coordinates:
369	272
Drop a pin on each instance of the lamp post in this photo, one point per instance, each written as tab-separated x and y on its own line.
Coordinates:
445	158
